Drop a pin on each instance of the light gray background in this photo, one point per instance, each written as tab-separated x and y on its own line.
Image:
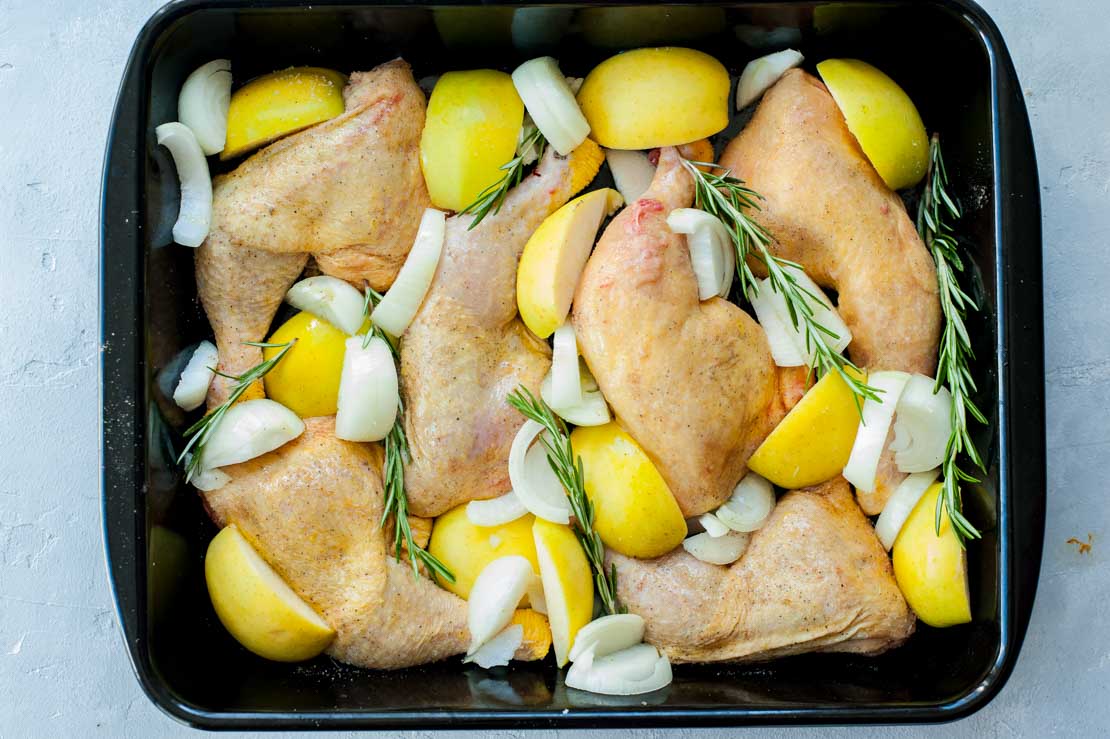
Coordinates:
62	666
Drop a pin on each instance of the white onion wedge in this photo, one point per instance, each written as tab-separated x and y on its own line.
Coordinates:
533	480
863	462
495	511
633	671
900	504
592	411
717	550
632	172
194	215
750	506
549	100
498	651
495	595
566	384
394	314
713	525
207	479
330	299
608	634
203	103
823	312
759	74
770	311
711	252
192	388
922	425
250	429
368	391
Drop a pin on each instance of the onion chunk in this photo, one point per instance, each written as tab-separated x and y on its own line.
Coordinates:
863	462
496	593
498	651
399	306
592	411
717	550
203	103
330	299
250	429
632	172
789	347
534	482
608	634
192	388
194	215
566	384
922	425
631	671
549	100
368	391
759	74
901	504
750	506
495	511
711	251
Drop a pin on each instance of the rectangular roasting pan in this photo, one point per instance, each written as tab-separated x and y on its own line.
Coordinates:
948	55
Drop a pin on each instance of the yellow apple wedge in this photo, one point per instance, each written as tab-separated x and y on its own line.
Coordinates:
554	257
568	584
634	511
259	609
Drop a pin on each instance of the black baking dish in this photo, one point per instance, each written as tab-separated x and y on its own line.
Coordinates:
953	62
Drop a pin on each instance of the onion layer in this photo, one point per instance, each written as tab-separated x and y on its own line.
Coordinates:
330	299
368	391
203	103
717	550
207	479
192	388
711	252
566	385
900	504
498	651
922	425
533	480
759	74
632	172
592	411
495	595
397	309
250	429
788	343
863	462
608	634
713	525
750	506
633	671
495	511
549	100
194	215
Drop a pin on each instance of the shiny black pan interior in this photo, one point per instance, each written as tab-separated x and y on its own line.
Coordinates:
950	58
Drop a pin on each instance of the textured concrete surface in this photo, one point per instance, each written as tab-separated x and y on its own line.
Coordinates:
62	665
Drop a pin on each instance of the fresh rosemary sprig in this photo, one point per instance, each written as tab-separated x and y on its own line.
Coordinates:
491	199
936	214
727	198
198	433
393	470
568	468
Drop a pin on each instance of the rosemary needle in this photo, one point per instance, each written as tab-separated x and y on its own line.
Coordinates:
568	468
728	198
492	198
936	212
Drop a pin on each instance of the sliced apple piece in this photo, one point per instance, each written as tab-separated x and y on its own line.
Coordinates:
568	583
470	131
554	257
259	609
281	103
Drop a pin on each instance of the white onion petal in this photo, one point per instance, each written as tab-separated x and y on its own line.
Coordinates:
711	250
549	100
717	550
770	311
922	425
750	506
900	504
498	651
203	103
397	309
566	384
759	74
495	511
533	480
495	595
207	479
368	391
713	525
194	215
330	299
632	671
863	462
823	312
608	634
592	411
192	388
250	429
632	172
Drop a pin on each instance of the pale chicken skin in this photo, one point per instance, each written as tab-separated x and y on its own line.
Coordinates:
467	348
348	191
693	382
814	578
312	510
827	209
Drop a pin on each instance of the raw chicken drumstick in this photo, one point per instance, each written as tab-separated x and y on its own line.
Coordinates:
348	191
